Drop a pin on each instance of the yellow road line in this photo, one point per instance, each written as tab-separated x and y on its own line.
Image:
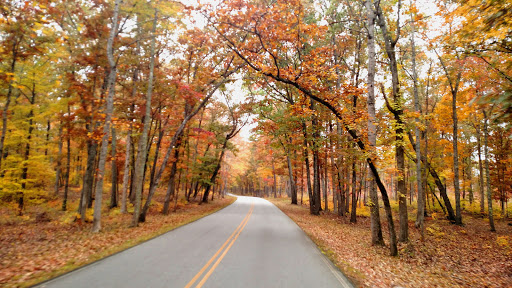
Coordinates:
246	218
224	253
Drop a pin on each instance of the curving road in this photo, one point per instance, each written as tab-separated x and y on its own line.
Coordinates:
250	243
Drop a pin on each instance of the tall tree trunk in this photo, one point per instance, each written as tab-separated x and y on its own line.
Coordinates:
94	181
290	175
130	147
326	204
92	145
458	215
109	105
177	190
425	136
48	128
151	136
295	176
301	184
362	184
157	152
24	169
305	153
480	169
85	198
316	166
171	188
407	177
333	172
131	195
68	164
341	187
5	110
420	215
59	163
353	215
170	194
463	180
126	169
316	184
142	147
113	192
376	229
347	188
196	188
470	179
274	187
487	174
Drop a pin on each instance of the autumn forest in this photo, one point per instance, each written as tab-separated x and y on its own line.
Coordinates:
388	122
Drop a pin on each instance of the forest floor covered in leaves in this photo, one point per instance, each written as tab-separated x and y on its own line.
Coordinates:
46	242
450	256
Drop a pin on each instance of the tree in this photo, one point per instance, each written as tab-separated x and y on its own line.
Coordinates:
454	88
109	107
487	173
420	216
141	151
396	108
372	137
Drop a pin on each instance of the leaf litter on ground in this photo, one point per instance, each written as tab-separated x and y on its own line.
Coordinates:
450	255
32	250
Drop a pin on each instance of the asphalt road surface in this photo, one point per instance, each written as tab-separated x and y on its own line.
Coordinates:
250	243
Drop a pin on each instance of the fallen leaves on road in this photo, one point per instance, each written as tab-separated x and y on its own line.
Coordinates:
450	256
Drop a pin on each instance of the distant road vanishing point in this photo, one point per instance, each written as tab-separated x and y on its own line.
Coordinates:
250	243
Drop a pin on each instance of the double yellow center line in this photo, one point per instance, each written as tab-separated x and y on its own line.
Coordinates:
229	243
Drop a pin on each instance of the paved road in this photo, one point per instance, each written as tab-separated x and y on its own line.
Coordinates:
250	243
